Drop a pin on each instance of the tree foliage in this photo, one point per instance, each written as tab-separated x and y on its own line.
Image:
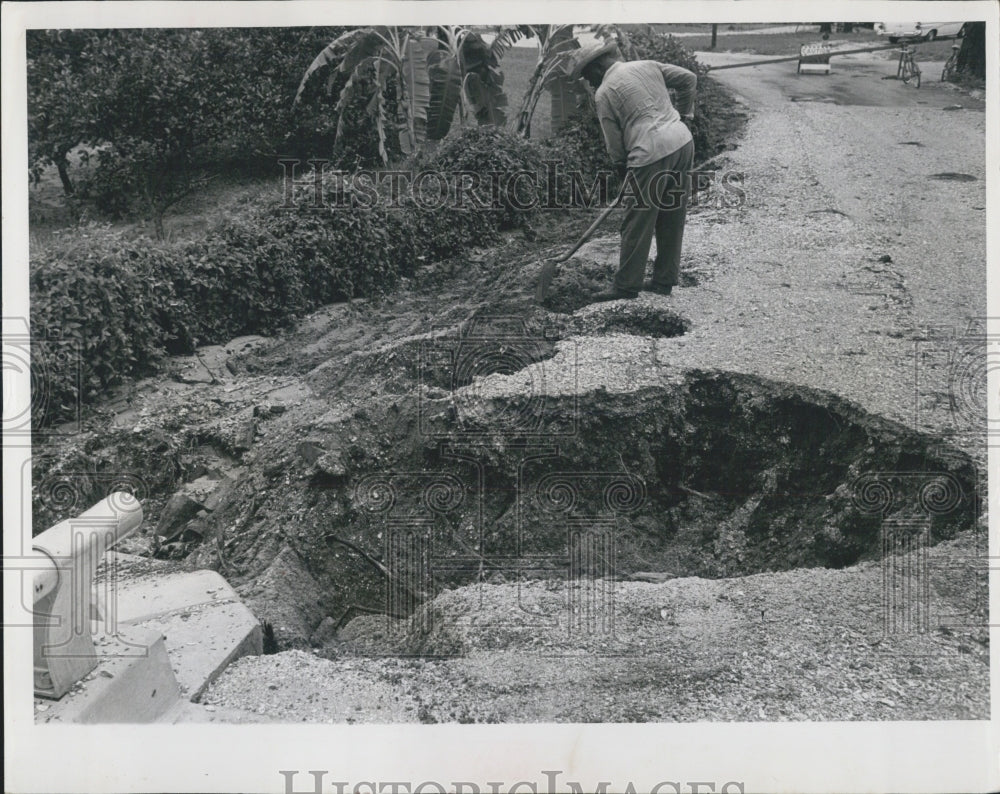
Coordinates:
158	109
57	71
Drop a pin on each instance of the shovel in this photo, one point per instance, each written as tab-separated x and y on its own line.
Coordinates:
549	268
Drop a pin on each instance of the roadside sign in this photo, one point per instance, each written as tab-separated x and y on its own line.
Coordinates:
814	58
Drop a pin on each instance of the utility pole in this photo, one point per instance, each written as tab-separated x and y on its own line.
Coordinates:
715	35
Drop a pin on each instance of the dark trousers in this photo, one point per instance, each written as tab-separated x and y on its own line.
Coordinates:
659	207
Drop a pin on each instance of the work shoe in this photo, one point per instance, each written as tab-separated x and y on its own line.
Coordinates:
659	289
613	295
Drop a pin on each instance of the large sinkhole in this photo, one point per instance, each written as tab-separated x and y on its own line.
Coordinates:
716	475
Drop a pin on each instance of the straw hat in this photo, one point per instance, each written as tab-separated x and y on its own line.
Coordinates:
580	58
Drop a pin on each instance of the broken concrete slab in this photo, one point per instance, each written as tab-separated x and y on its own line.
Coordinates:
193	500
203	639
133	683
163	637
220	493
309	451
204	623
235	433
270	409
246	344
208	365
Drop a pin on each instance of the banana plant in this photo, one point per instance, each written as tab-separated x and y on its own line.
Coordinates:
555	45
447	94
372	57
482	79
465	75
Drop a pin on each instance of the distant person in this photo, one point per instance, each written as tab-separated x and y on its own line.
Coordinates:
644	134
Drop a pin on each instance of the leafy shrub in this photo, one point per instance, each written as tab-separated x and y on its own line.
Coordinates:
653	46
488	149
106	295
437	234
259	269
125	302
580	148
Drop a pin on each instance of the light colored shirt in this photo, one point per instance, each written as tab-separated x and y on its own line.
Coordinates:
640	123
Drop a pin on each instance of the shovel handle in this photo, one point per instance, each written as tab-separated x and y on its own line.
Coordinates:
593	227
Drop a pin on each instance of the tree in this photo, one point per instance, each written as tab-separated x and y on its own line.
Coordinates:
60	97
972	55
157	111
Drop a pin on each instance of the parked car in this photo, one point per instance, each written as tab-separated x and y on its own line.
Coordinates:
928	31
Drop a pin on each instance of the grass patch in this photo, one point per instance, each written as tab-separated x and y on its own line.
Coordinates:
724	27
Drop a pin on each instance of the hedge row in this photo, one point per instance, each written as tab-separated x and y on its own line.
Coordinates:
125	303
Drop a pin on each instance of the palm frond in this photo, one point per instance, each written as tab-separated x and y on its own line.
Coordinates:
377	108
506	37
367	44
348	92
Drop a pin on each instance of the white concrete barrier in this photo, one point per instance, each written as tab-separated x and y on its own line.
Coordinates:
69	554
